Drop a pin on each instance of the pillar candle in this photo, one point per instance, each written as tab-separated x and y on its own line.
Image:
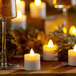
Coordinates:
19	22
49	52
38	9
72	56
32	61
20	6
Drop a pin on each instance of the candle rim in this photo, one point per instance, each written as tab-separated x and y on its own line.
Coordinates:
28	54
42	4
72	50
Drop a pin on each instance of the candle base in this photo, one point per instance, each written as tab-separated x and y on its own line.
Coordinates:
72	65
8	66
50	59
50	56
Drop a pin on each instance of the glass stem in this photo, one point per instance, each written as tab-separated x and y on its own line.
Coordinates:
65	16
4	59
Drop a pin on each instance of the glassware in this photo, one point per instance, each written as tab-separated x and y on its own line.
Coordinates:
64	5
7	11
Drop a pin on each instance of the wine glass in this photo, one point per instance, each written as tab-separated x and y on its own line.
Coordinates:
64	5
7	11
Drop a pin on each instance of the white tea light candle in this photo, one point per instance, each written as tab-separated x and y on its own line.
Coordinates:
32	61
20	6
49	51
19	22
72	56
38	9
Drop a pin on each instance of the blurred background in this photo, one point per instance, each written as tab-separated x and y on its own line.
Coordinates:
54	15
44	15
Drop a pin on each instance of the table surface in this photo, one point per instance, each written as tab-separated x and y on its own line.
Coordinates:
47	68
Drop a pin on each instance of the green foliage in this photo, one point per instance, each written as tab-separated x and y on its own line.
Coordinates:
64	42
20	41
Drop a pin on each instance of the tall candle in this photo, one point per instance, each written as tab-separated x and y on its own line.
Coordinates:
20	6
32	61
49	51
72	56
19	22
38	9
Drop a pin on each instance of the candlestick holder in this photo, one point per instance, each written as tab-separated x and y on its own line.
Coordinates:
7	11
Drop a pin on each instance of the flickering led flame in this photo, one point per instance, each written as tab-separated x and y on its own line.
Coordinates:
17	2
59	6
75	48
72	30
50	44
37	2
19	14
64	30
31	52
54	2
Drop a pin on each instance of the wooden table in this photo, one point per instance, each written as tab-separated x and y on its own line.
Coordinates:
47	69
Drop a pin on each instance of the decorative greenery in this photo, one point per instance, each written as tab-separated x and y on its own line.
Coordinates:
64	41
20	41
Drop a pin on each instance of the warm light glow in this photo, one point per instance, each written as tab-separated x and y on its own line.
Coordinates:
54	2
31	52
59	6
17	2
19	14
75	48
64	30
50	44
72	30
37	2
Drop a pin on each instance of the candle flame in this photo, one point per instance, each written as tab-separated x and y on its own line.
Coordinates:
75	48
54	2
64	30
31	52
72	30
17	2
19	14
50	44
37	2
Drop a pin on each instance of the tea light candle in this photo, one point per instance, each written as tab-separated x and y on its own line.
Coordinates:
32	61
49	51
38	9
19	22
20	6
73	2
72	56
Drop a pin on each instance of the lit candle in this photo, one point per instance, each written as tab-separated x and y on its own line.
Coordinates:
73	2
72	30
20	6
72	56
49	51
32	61
64	30
19	22
38	9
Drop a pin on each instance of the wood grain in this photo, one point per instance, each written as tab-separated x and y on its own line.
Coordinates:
47	68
